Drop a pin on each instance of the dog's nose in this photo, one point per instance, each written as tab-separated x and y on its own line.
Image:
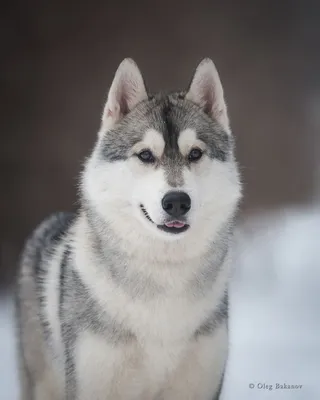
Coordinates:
176	203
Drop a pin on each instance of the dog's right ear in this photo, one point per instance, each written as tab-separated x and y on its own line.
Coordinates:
206	91
126	91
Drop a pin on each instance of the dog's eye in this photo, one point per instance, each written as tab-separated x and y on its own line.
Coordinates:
195	155
146	156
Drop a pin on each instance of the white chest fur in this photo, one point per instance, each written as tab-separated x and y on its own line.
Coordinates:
170	312
163	322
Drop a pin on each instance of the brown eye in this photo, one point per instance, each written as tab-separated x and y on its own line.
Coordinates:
195	155
146	156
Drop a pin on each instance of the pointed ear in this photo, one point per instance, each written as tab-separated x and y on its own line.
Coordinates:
206	91
126	91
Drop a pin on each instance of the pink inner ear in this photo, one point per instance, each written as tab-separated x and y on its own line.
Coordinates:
109	113
112	111
208	102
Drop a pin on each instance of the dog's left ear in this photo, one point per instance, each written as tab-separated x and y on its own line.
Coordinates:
206	91
126	91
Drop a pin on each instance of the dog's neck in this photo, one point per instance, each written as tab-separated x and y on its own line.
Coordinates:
102	253
105	240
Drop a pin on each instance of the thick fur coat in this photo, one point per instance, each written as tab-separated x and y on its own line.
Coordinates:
127	299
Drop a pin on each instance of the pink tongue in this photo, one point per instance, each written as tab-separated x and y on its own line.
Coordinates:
175	224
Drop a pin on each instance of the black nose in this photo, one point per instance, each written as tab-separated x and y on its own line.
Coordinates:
176	203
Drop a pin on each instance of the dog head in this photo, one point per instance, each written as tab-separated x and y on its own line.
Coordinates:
163	165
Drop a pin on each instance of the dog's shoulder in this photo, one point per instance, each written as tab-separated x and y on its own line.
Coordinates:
47	235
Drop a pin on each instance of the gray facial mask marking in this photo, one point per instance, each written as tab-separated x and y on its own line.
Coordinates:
168	114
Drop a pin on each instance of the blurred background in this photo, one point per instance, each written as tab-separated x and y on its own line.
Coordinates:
58	59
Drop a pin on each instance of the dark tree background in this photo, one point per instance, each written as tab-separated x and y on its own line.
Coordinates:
58	58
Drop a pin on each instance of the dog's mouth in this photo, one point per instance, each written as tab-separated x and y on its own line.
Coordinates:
170	226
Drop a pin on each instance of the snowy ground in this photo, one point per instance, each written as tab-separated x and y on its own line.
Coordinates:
274	313
8	373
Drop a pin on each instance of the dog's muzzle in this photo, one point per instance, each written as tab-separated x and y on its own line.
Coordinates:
176	205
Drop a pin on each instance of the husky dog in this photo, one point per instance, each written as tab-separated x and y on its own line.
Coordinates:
127	300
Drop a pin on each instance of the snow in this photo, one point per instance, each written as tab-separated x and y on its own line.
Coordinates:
274	309
274	312
8	365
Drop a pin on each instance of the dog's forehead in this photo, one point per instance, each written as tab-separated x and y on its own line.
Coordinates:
176	120
179	121
170	117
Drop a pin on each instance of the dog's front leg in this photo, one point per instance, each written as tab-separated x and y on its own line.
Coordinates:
105	370
199	376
